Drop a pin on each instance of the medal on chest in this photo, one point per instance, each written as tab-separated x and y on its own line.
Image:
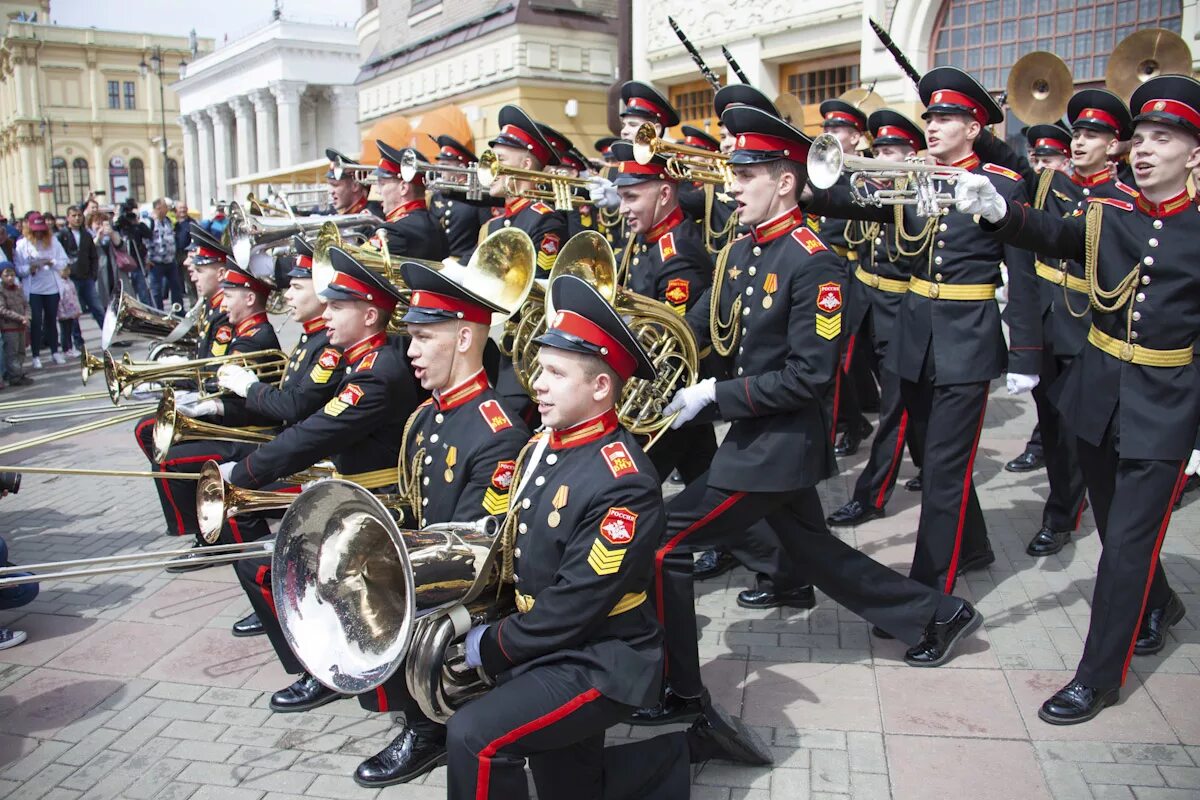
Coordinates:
451	460
559	501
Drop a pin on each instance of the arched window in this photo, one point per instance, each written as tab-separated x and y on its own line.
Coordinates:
137	179
58	177
82	180
173	178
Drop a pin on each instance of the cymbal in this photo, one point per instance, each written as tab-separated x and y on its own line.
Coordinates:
863	99
1039	87
791	109
1143	55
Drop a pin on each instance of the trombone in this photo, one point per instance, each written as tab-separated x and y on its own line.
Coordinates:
121	378
559	191
411	166
684	162
171	427
827	162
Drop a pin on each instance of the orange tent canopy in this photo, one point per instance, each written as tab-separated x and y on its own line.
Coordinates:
395	131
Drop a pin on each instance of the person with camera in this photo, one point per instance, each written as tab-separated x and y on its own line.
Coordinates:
40	258
119	241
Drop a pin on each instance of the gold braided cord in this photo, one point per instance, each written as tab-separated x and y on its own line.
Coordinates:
869	231
626	258
609	218
723	333
1043	188
508	528
924	238
1103	300
409	477
711	235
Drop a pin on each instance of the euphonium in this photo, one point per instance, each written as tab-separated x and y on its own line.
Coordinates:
171	427
127	315
121	378
560	191
249	234
684	162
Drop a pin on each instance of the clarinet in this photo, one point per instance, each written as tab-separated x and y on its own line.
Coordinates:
704	70
733	65
898	54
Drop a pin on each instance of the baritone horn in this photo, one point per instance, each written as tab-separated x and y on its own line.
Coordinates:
552	187
127	315
250	234
826	163
684	161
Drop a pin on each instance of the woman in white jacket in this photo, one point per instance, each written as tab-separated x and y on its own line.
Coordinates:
40	258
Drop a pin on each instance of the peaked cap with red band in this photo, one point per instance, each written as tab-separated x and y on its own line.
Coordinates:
1169	99
437	298
762	137
631	173
584	322
1049	140
342	166
838	112
695	137
604	145
353	281
517	129
643	100
1100	110
390	159
302	256
892	127
206	249
741	94
450	149
949	90
237	277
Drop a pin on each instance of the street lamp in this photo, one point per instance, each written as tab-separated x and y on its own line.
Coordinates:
156	64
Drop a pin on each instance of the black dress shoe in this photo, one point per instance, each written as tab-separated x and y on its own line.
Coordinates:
673	708
1075	703
976	562
880	633
914	484
800	597
187	563
853	513
410	755
939	638
715	734
305	694
1026	462
249	626
1152	637
851	438
712	563
1047	542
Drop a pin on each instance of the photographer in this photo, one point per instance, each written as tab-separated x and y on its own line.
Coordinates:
127	250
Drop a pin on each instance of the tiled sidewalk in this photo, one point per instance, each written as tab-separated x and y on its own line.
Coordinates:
131	686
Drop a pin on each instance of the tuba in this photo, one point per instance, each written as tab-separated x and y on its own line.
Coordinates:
127	315
171	427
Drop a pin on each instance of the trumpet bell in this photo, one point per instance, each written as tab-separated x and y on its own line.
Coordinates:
125	314
825	161
1039	87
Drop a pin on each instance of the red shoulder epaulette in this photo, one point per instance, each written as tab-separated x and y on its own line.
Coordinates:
1127	189
996	169
541	208
666	246
809	240
1112	201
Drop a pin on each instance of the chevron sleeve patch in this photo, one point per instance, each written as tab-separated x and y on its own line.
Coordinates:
494	502
603	560
829	327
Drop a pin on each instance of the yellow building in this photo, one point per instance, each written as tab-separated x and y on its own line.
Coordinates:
83	110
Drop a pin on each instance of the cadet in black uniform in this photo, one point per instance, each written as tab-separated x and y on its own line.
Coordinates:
1132	395
949	344
571	163
410	229
460	215
348	190
880	282
460	450
778	313
359	429
583	649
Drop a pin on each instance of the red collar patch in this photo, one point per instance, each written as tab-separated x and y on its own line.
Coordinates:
315	324
665	226
469	389
587	431
774	228
1103	176
1166	208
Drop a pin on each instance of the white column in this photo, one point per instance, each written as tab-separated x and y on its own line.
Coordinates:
206	180
266	129
287	104
247	157
191	166
222	149
344	102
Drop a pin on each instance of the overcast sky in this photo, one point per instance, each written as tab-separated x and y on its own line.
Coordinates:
212	18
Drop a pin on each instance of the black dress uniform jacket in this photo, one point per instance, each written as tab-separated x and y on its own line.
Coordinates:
588	521
1158	407
313	373
253	334
694	200
211	323
413	232
461	218
545	226
670	263
962	338
878	259
359	428
789	287
465	445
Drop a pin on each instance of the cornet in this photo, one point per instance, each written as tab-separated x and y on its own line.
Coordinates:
560	193
827	162
684	162
411	166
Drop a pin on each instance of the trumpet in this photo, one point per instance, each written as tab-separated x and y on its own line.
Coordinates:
559	191
120	378
171	427
411	166
684	162
826	163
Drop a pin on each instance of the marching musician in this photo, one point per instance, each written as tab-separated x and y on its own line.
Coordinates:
348	188
461	217
778	313
1131	394
1049	147
410	229
880	282
459	453
949	344
571	163
359	428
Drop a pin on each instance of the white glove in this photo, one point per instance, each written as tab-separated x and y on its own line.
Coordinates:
690	401
226	469
167	360
603	193
473	637
975	194
1020	384
186	398
1193	465
236	379
204	408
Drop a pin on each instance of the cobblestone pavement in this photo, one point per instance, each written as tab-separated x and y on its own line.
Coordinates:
131	685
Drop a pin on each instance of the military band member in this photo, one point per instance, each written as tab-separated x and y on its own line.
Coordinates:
778	313
206	264
571	163
583	649
359	429
461	216
949	344
879	284
460	447
410	230
1131	394
348	189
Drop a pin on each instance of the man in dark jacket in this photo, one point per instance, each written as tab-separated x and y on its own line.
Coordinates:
84	260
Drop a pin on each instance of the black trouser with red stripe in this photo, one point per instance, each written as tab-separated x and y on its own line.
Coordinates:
702	515
393	695
1132	501
550	716
255	576
1064	505
878	479
945	423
